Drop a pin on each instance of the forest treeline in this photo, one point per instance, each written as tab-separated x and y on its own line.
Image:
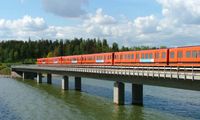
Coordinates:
28	51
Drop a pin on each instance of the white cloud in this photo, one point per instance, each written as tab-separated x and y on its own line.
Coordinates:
102	25
145	25
65	8
27	23
14	29
100	18
179	25
184	11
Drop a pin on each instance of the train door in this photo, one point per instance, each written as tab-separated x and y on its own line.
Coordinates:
113	58
167	56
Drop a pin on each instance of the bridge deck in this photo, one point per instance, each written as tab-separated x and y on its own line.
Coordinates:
185	78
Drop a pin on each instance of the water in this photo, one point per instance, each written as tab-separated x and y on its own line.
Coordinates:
27	100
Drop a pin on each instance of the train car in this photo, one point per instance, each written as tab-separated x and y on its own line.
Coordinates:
40	61
157	57
53	60
184	56
181	56
72	60
98	59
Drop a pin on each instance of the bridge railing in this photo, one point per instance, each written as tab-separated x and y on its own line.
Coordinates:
184	73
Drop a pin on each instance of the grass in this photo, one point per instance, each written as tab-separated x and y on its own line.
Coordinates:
5	68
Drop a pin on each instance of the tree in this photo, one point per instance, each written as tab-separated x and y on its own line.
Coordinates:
50	54
105	46
115	47
29	51
16	55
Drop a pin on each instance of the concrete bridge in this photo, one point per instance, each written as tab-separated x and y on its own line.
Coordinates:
175	77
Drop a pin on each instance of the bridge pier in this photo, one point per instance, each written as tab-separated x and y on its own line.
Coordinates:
39	77
118	93
137	94
49	78
24	76
65	82
27	75
78	83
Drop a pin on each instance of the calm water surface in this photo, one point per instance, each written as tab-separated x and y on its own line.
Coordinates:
26	100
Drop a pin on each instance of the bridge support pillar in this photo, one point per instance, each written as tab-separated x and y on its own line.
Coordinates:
24	76
118	93
39	78
137	94
65	82
49	78
78	83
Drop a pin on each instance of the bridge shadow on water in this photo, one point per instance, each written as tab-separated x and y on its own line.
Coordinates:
105	107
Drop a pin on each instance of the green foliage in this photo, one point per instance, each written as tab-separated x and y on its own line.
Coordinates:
27	52
5	71
50	54
115	47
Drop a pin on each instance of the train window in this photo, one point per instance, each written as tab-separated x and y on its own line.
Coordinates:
199	54
171	54
121	56
137	56
194	54
188	54
150	55
129	56
157	55
142	55
163	54
180	54
132	56
146	55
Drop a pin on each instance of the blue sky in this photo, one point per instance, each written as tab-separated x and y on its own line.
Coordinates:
127	22
34	8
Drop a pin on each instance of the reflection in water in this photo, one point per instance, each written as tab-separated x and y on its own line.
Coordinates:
28	100
128	112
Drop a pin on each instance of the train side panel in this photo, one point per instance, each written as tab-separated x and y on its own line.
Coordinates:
184	56
72	60
98	59
142	58
53	60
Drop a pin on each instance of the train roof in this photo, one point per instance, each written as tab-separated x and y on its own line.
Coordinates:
161	48
184	46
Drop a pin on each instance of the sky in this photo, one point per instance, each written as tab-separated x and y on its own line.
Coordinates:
128	22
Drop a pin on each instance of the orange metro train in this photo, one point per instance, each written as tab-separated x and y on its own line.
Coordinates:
181	56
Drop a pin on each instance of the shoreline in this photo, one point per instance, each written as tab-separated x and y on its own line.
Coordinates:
5	76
